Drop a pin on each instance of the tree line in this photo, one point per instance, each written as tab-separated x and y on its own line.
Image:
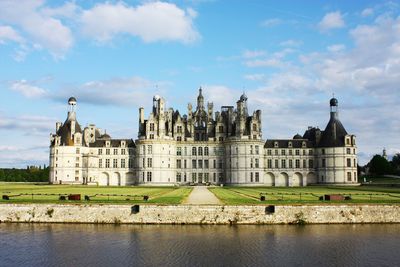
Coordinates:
379	165
30	174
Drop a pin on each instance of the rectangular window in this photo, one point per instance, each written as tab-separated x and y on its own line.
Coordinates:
283	152
310	152
78	151
297	162
304	163
276	152
297	152
310	163
200	164
220	164
100	163
149	162
251	177
348	162
179	129
178	177
257	177
269	152
151	126
257	164
178	164
107	151
215	164
115	163
122	163
123	151
115	151
221	129
355	163
200	151
194	164
349	176
149	177
323	151
149	149
251	149
194	151
276	163
194	177
107	163
184	164
290	163
290	152
151	136
206	151
323	163
257	148
76	164
283	164
178	151
206	164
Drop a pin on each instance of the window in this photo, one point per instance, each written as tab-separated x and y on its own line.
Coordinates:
290	152
297	162
178	151
304	152
355	163
78	150
276	163
304	163
257	177
149	176
151	136
348	150
297	152
100	163
251	149
348	162
143	162
178	164
122	163
149	162
355	176
179	138
251	163
254	127
194	177
107	163
178	177
323	151
206	177
149	149
251	177
200	151
179	129
184	164
310	152
290	163
115	163
206	164
276	152
349	176
107	151
257	150
269	152
348	142
76	164
194	164
123	151
200	164
220	164
221	129
206	151
130	162
194	151
311	163
151	126
115	151
323	163
283	152
283	163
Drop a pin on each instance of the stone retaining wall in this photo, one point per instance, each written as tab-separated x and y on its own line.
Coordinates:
201	214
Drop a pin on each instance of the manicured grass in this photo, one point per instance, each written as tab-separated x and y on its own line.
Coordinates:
97	194
305	195
380	180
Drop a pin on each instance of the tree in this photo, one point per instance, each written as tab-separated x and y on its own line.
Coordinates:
379	166
396	163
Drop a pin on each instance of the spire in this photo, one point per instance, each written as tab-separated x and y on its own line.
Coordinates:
200	100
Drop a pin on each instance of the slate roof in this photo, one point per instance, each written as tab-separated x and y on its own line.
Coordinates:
113	143
65	131
333	135
284	143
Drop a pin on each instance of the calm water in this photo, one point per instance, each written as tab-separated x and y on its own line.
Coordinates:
151	245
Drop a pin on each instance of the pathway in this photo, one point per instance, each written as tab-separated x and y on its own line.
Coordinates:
201	195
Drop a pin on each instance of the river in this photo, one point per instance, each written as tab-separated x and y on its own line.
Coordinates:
194	245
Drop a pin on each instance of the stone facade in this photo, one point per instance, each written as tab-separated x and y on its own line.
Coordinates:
205	214
225	147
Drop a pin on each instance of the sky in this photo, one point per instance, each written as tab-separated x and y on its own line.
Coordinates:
289	57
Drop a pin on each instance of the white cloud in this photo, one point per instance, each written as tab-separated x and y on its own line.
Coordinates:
27	89
367	12
252	53
7	33
271	22
291	43
332	20
254	77
151	21
336	48
44	31
268	62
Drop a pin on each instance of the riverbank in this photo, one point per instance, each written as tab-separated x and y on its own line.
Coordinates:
199	214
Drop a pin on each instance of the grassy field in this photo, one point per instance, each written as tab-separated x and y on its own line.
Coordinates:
305	195
97	194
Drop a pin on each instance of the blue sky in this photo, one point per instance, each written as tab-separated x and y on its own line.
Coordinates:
113	56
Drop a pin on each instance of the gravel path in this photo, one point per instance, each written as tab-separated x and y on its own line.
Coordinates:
201	195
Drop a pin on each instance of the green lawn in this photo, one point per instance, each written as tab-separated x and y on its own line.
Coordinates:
305	195
97	194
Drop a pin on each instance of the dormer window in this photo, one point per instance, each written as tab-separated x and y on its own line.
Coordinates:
276	144
107	143
122	143
290	144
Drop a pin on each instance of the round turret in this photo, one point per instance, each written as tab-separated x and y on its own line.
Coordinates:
333	102
297	136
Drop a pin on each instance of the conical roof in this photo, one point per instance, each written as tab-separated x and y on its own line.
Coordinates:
334	133
65	130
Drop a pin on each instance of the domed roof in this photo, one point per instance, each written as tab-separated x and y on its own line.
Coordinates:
71	100
297	136
333	102
105	136
243	97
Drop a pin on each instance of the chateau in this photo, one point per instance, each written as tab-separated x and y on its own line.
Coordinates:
225	147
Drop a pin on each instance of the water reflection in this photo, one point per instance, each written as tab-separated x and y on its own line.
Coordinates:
168	245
